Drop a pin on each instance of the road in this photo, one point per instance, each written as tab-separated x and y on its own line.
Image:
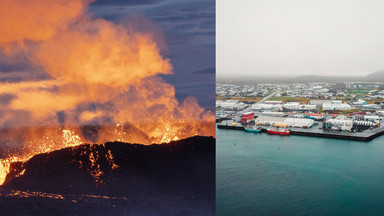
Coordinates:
267	97
249	108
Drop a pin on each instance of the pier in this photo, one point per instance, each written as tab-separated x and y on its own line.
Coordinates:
317	131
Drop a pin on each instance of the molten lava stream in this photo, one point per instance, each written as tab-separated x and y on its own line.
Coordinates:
51	140
44	140
5	166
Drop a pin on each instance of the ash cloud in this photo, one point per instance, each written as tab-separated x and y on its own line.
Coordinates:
189	29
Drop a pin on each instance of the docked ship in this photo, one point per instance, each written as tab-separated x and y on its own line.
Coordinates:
279	129
253	129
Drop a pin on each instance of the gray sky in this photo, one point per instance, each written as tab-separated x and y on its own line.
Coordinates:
303	37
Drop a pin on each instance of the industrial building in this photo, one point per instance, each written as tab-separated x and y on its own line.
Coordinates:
297	122
297	106
273	102
292	122
339	124
262	106
273	114
372	118
336	106
230	105
316	116
247	117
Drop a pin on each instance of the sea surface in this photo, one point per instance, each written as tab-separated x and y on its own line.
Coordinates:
261	174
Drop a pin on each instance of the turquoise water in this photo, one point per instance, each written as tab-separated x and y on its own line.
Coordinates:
260	174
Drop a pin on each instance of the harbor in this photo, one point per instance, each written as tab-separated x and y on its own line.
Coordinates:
351	111
314	131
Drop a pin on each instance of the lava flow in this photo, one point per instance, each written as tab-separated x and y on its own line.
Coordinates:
61	139
86	80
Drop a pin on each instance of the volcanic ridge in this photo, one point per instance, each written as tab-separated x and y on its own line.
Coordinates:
181	170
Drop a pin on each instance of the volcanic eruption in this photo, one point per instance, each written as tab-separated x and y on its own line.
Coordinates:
90	80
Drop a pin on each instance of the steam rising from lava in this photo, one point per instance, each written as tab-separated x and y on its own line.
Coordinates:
102	77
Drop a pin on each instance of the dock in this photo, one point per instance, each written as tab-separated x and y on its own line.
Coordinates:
231	127
317	131
361	136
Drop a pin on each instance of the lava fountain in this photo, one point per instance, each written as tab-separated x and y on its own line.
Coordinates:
93	81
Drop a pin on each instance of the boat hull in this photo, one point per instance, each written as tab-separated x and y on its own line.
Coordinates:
252	130
278	132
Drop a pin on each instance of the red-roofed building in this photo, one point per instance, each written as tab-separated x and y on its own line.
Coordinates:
247	117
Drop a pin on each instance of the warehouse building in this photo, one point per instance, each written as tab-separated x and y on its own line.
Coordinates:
291	122
339	123
262	106
336	106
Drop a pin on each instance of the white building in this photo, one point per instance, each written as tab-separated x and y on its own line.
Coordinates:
336	106
370	107
292	122
230	105
319	102
263	106
226	104
340	124
372	118
337	102
298	106
275	114
269	120
273	102
297	122
359	102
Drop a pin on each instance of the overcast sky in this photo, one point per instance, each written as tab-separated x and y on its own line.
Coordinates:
303	37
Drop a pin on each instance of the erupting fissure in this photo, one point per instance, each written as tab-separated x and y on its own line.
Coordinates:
48	143
92	81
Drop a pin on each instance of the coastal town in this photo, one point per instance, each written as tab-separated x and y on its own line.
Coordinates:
346	110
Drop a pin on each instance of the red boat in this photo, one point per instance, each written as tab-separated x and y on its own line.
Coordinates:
279	129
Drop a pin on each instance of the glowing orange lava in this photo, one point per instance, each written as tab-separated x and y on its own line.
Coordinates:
67	139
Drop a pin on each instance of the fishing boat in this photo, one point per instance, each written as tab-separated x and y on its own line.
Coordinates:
279	129
253	129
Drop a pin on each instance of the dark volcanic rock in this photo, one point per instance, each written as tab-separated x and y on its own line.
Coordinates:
20	203
181	168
